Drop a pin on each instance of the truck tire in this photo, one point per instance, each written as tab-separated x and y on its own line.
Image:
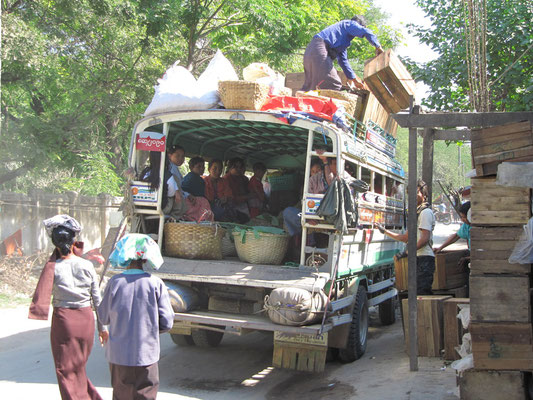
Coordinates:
205	338
387	312
357	337
182	340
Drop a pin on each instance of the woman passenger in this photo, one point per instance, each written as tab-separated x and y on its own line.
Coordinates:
238	184
217	190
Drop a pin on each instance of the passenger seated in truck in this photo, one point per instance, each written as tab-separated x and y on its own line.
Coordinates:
255	187
193	182
238	184
172	202
316	165
217	191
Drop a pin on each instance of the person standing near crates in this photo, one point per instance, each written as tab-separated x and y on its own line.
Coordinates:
425	257
330	44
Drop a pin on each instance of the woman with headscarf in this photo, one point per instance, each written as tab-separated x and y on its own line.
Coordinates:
74	285
137	308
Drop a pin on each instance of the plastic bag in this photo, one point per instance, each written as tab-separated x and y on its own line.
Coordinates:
464	363
262	73
464	315
466	345
179	90
523	250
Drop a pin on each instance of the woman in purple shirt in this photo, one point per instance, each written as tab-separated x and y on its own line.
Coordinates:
330	44
136	306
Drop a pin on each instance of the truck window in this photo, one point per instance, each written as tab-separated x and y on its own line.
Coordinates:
365	175
378	183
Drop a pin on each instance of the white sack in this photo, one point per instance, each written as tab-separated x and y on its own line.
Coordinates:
517	174
294	306
262	73
523	250
179	90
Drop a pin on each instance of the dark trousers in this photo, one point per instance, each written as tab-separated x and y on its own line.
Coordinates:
425	268
134	383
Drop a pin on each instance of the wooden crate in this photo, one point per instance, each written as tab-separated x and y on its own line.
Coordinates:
491	248
453	329
499	205
429	325
460	292
300	352
492	385
448	274
510	142
502	346
390	81
500	298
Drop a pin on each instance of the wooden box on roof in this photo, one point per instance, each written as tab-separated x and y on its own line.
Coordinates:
510	142
498	205
491	248
390	81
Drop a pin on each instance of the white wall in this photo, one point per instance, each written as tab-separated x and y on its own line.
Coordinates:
95	214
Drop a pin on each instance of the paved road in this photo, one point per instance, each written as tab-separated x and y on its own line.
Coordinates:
239	368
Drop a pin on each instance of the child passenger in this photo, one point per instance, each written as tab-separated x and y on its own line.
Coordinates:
257	193
217	190
193	182
136	306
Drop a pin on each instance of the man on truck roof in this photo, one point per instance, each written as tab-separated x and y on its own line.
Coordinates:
330	44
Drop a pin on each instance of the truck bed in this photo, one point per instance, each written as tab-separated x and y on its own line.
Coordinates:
235	272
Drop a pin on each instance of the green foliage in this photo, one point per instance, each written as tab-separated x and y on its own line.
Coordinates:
509	35
450	161
76	75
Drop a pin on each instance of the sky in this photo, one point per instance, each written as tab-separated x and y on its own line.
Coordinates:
401	13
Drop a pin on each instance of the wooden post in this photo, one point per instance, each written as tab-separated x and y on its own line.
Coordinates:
427	161
411	249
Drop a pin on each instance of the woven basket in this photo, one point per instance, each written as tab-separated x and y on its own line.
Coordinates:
193	240
284	91
353	100
269	248
243	95
228	246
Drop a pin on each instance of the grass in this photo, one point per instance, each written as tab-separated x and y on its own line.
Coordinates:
13	300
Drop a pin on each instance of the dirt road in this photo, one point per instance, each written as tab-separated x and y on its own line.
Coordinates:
239	368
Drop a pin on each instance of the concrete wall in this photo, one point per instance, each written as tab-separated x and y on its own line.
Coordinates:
95	214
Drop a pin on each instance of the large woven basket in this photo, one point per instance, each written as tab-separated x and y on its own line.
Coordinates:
268	248
243	95
193	240
228	245
354	101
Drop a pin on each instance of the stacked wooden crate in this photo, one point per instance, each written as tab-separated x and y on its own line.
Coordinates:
450	277
500	292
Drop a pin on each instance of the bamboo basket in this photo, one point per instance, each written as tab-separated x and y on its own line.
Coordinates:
228	246
193	240
354	101
269	248
243	95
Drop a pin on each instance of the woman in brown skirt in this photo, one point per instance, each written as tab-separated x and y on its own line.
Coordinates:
75	286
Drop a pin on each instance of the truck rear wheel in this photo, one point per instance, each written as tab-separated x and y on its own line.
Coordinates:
357	337
205	338
182	340
387	312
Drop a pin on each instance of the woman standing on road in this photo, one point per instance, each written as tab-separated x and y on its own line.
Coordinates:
74	285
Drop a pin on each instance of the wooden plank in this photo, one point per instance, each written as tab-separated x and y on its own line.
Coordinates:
429	325
300	352
495	233
499	205
506	346
478	267
458	292
492	385
507	145
454	119
508	155
499	130
500	298
235	272
453	329
483	142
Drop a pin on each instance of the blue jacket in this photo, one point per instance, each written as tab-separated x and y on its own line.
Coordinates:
339	36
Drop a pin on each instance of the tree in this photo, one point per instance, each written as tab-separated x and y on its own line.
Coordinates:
509	55
77	74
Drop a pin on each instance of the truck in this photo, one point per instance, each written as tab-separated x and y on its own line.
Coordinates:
355	268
